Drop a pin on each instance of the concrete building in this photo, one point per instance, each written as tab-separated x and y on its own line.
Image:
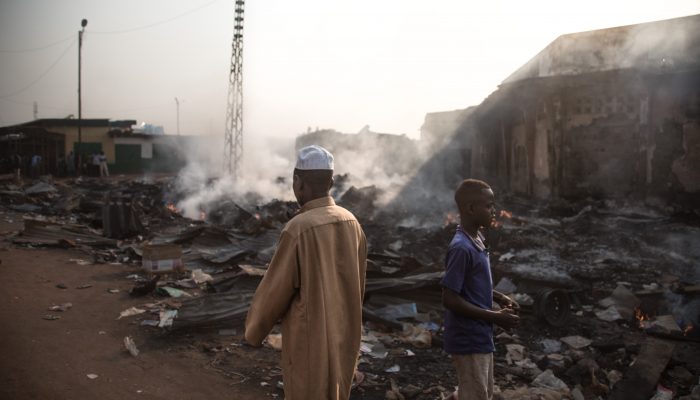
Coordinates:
126	151
612	112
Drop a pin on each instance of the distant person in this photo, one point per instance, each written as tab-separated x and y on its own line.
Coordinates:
70	163
17	166
315	284
35	165
468	295
104	171
95	162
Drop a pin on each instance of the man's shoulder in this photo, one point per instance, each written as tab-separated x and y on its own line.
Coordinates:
318	217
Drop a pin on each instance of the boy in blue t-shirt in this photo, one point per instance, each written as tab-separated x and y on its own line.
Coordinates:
468	295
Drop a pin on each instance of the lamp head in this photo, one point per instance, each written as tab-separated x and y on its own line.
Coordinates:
83	23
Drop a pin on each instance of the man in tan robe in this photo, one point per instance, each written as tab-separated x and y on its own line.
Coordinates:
315	283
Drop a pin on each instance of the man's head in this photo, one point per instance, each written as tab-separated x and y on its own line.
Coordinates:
313	174
476	202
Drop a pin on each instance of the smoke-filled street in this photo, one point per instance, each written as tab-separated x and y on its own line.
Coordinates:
384	201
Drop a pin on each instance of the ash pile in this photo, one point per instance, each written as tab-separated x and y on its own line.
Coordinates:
609	290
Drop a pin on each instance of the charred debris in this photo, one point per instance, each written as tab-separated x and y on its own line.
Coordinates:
609	290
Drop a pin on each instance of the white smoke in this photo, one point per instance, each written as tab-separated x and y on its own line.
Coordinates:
203	181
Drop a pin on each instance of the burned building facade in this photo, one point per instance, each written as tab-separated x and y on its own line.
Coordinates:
612	112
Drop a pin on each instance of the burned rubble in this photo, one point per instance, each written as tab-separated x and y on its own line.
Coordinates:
608	290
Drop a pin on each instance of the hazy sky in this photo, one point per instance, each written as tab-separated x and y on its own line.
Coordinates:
331	64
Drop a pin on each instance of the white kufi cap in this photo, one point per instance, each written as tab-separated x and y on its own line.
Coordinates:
314	157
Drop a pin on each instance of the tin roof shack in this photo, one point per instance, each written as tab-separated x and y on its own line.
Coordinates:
26	142
607	112
94	133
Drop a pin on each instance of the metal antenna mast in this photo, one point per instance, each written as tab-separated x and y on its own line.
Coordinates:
233	140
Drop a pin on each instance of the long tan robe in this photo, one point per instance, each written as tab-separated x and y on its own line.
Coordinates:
315	283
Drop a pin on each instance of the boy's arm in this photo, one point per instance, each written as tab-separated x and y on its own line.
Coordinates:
505	301
455	303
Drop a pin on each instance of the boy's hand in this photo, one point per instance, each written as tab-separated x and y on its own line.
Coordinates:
510	303
506	318
505	301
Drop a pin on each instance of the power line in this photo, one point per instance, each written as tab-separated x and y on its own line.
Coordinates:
151	25
29	50
115	32
42	75
93	110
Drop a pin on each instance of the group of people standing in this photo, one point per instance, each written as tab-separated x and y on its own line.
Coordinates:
315	286
35	165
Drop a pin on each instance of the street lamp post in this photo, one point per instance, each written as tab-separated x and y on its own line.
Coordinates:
79	152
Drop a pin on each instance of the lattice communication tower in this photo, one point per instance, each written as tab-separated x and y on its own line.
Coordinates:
233	140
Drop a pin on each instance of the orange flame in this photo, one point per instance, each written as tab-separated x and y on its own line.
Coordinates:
257	216
172	208
640	316
688	328
450	218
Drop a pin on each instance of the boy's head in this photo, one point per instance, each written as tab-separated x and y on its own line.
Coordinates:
475	201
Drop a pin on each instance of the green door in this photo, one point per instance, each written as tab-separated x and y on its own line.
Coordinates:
127	158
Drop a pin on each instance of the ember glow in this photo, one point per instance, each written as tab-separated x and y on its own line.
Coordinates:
640	316
688	328
505	214
450	219
172	208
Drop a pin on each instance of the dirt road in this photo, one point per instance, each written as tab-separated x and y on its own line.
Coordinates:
51	359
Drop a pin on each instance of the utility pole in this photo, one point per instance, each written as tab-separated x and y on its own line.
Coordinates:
36	111
233	139
177	108
79	151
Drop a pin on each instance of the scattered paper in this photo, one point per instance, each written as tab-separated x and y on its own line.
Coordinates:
131	311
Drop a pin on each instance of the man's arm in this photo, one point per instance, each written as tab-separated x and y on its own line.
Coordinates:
455	303
275	292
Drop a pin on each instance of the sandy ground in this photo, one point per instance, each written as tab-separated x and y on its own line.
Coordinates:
51	359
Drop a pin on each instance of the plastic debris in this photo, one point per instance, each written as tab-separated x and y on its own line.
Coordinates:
610	314
516	352
131	346
662	393
201	277
130	312
396	311
547	379
417	336
576	342
550	345
51	317
92	376
394	368
506	286
172	292
62	308
166	318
